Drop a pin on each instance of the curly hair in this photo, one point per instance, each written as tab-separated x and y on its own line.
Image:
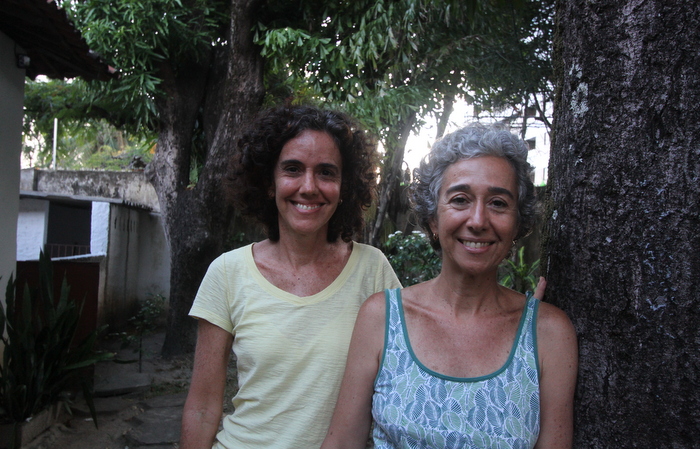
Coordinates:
472	141
251	174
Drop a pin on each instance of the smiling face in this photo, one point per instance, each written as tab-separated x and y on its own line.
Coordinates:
477	214
307	180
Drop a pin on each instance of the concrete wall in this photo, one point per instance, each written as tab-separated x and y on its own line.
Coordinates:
154	257
128	244
137	263
32	223
132	187
122	267
12	99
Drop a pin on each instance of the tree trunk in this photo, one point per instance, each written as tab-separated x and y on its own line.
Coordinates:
224	91
622	241
444	117
392	175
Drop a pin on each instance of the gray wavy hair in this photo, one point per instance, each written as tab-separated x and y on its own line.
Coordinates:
472	141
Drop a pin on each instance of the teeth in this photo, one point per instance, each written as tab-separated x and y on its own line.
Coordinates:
307	207
475	244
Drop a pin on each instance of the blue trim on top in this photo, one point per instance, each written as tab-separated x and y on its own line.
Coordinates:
535	311
386	332
513	348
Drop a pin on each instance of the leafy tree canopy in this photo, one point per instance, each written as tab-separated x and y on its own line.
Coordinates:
381	60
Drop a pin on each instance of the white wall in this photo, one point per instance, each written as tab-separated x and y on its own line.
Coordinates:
12	99
99	228
32	222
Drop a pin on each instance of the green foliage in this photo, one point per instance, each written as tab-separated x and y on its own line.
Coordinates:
41	357
385	60
86	139
412	257
142	38
145	41
146	320
149	315
518	274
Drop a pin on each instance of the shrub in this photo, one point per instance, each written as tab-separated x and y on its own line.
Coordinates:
519	275
412	257
41	359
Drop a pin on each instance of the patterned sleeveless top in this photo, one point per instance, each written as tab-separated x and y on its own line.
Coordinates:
414	407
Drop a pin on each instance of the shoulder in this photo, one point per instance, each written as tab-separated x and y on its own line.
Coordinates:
374	308
552	322
227	261
368	251
556	336
235	254
372	265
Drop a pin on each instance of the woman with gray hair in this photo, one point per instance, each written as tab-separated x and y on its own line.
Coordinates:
460	361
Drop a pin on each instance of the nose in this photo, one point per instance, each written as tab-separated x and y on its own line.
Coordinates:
478	217
308	183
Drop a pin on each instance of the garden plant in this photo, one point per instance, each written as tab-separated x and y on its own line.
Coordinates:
41	359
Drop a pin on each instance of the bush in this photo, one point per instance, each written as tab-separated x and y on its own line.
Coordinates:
146	321
41	359
519	275
412	257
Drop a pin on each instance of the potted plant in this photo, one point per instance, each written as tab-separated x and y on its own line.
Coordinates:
40	357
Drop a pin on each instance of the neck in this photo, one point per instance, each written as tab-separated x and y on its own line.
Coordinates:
467	293
304	250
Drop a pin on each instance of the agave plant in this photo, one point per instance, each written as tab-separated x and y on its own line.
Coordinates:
41	359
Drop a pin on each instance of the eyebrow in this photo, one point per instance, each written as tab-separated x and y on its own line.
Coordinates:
493	190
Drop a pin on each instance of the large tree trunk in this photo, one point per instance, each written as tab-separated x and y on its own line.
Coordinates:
622	248
391	175
224	91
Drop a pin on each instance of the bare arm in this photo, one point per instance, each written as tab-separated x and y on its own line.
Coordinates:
353	413
559	365
204	406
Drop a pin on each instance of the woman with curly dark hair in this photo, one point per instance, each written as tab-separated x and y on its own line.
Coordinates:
286	305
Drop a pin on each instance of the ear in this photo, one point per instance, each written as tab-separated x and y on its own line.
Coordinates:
434	227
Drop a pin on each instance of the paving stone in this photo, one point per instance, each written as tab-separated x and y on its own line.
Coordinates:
103	405
166	400
157	426
159	415
113	379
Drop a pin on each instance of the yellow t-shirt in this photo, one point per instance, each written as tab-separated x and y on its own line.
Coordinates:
291	350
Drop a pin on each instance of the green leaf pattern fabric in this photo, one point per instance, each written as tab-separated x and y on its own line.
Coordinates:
414	407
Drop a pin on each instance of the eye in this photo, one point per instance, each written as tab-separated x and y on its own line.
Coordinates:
291	169
328	172
500	203
459	201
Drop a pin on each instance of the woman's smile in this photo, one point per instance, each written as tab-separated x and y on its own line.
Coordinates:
477	213
308	176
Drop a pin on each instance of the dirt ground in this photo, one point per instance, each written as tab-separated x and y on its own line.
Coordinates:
119	415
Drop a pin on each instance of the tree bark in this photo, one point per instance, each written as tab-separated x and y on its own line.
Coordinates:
444	117
391	176
224	90
622	247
